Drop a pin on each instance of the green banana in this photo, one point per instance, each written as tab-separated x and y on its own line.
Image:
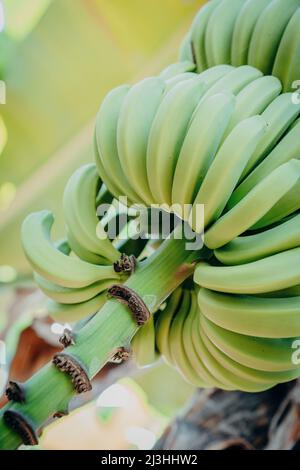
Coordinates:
279	115
163	324
243	30
269	274
143	344
52	264
252	316
265	354
200	145
185	52
268	33
68	295
264	379
79	206
178	353
287	149
226	169
260	245
286	64
219	31
167	135
234	81
72	313
254	205
135	121
198	32
254	99
176	69
106	137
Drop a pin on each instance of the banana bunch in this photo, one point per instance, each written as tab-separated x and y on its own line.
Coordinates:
261	33
75	273
228	139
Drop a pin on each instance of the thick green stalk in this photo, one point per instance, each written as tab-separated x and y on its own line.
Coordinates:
50	390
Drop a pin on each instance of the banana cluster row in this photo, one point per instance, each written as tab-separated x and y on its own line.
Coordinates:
229	140
226	139
219	340
261	33
76	272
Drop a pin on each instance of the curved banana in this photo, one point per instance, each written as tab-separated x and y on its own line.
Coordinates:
106	137
198	32
234	81
287	149
226	169
167	135
68	295
263	379
51	263
185	52
176	69
286	64
143	344
260	245
70	313
200	145
265	354
243	30
135	121
253	316
254	206
178	353
219	32
268	33
254	98
79	206
279	115
163	324
269	274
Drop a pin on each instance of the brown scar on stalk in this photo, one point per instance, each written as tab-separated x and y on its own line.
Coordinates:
129	297
126	264
17	423
15	392
67	338
60	414
74	369
120	355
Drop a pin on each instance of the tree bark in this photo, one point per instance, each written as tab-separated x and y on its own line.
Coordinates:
219	420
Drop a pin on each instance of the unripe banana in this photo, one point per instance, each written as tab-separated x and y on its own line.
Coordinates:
226	169
200	145
176	69
254	206
287	65
51	263
250	315
260	245
269	274
79	205
219	32
243	29
71	313
268	32
167	134
134	124
198	31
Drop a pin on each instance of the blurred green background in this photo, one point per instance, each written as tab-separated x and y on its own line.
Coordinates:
58	59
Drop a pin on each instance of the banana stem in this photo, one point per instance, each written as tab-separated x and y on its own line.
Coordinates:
50	390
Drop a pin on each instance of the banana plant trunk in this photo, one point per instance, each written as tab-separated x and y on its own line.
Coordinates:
49	391
220	420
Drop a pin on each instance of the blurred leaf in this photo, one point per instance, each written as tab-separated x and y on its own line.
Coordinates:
55	83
